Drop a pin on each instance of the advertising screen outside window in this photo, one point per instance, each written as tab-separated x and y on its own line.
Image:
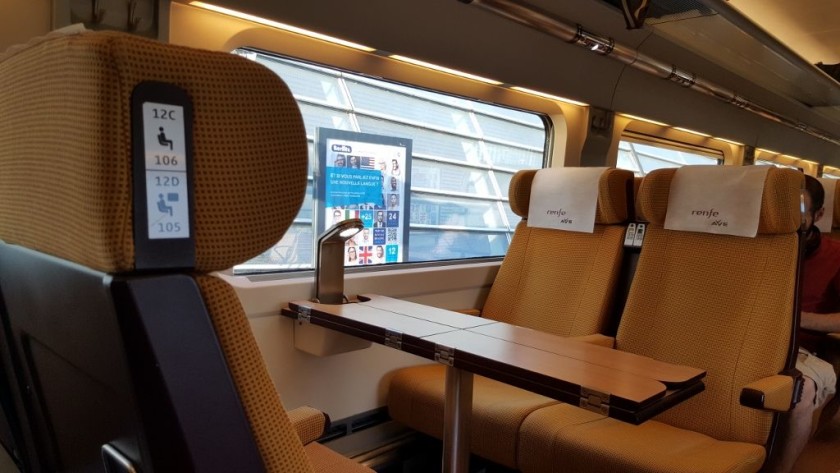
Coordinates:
365	176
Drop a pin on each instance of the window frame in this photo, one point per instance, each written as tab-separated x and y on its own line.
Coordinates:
631	138
499	201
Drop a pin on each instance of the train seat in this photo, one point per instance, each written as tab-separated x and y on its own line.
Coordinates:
551	280
719	302
122	345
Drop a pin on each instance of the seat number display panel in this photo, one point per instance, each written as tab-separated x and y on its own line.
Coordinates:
167	198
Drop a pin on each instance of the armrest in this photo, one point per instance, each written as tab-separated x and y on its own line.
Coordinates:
834	336
596	339
310	423
775	393
475	312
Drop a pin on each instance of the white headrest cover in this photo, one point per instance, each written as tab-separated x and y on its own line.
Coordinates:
829	186
716	199
565	199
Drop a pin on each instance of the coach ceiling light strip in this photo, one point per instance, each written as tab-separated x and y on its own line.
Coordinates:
447	70
281	26
693	132
350	44
729	141
548	96
768	151
647	120
527	15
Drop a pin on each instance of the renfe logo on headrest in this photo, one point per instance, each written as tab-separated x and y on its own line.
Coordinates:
560	213
565	199
716	199
709	214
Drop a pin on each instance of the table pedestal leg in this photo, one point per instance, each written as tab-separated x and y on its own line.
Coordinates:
456	420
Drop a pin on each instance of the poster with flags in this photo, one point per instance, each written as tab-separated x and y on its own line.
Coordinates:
365	176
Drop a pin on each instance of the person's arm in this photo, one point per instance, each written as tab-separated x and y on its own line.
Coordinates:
820	322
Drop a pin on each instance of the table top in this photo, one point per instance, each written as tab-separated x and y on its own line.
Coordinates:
622	385
673	376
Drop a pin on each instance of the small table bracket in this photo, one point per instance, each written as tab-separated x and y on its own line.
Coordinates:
595	401
393	339
445	355
304	314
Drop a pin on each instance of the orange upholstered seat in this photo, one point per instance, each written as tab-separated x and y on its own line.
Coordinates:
153	367
551	280
721	303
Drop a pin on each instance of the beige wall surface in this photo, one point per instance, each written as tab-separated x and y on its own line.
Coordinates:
21	20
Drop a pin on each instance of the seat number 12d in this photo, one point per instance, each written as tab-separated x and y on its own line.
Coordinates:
167	198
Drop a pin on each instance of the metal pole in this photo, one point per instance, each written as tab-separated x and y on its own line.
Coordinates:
521	12
456	420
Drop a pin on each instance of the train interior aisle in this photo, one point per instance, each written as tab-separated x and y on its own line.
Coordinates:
407	128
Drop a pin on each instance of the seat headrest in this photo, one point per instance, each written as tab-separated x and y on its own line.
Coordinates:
66	151
613	195
826	223
780	198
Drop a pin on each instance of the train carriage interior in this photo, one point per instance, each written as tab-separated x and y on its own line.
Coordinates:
404	236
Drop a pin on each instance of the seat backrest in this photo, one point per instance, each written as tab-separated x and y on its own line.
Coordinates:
721	303
107	350
562	281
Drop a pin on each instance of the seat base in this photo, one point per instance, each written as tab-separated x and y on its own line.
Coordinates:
416	398
569	439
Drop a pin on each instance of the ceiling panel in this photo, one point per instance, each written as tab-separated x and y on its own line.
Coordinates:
809	27
720	41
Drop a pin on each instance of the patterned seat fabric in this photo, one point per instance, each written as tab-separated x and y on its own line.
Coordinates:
716	302
66	185
551	280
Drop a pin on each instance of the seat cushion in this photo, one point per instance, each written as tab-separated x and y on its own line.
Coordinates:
324	460
566	438
416	398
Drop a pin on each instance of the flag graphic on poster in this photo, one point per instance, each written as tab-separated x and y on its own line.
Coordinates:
365	255
367	162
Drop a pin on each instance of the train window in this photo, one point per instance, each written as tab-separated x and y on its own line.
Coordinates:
644	157
830	172
765	162
464	154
